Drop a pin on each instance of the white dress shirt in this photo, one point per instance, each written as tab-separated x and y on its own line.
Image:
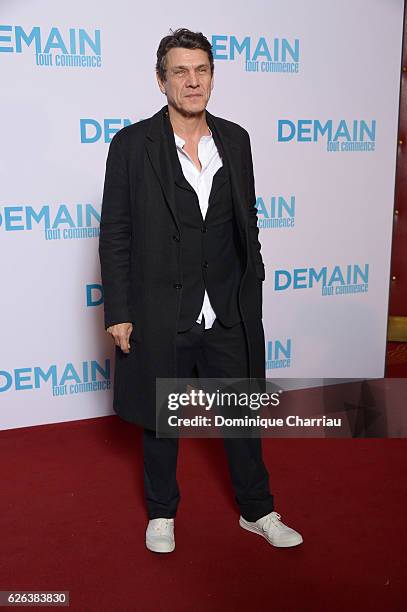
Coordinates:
201	181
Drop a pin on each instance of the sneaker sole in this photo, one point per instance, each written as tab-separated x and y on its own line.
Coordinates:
159	549
244	525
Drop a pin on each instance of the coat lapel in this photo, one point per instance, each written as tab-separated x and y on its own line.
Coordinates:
158	152
233	155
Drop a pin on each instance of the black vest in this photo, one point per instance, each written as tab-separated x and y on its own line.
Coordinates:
211	256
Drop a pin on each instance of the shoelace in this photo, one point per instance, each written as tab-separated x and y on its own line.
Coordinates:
272	519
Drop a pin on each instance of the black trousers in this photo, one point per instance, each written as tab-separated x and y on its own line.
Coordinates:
216	352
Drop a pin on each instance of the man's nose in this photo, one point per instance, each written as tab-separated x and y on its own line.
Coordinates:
192	80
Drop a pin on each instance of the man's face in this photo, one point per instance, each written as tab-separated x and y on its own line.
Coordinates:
189	82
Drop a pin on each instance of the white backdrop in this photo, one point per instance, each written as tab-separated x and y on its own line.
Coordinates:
316	66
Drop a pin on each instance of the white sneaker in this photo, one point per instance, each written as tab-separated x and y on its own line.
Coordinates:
271	528
160	535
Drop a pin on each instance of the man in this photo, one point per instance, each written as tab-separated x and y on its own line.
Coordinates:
182	276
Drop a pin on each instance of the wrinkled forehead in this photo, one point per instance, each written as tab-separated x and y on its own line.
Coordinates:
187	58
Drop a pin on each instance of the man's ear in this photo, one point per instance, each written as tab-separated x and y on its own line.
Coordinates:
160	83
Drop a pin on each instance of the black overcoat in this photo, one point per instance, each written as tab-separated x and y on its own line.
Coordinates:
139	250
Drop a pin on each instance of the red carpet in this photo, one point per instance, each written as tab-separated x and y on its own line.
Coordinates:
73	519
396	361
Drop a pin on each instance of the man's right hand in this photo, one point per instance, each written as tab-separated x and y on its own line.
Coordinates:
121	335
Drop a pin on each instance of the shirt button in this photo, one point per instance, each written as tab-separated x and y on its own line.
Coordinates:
205	264
204	230
177	286
175	237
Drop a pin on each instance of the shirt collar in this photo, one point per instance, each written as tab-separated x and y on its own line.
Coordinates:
180	141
